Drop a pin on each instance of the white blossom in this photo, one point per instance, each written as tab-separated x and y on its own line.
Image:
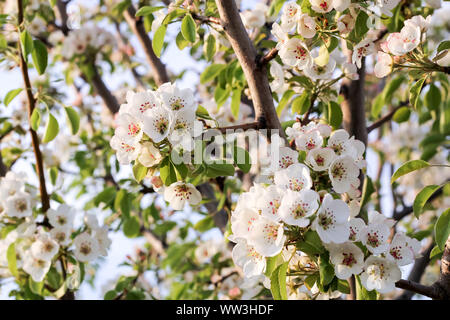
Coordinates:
380	274
179	193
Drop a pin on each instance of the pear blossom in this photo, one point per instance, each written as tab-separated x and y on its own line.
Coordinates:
306	26
158	123
375	236
86	247
341	5
347	258
357	225
139	102
296	177
176	99
384	64
246	257
419	21
150	155
387	6
61	235
125	151
280	35
380	274
287	157
44	248
289	16
362	49
242	221
295	54
36	268
278	84
269	202
343	172
317	72
322	6
104	242
350	71
267	237
309	140
297	206
403	249
61	217
18	205
400	43
331	222
320	158
179	193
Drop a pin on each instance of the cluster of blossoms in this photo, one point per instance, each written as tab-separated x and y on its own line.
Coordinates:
397	45
86	41
152	124
306	196
40	241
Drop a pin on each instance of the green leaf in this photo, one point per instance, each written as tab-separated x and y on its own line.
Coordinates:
205	224
422	198
272	263
444	45
110	295
278	282
284	101
26	42
74	119
181	41
51	130
311	244
236	102
122	202
158	40
146	10
391	88
221	95
211	72
401	115
301	103
210	47
408	167
414	92
40	56
131	227
12	259
106	196
214	170
442	229
203	113
242	159
35	287
435	252
11	95
343	286
326	270
377	106
188	28
139	171
433	98
335	115
35	120
53	171
167	172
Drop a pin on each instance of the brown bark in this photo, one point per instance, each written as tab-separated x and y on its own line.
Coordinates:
137	26
255	73
102	90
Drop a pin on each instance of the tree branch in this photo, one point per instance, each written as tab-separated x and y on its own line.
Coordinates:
272	54
205	19
102	90
3	168
386	118
137	26
398	215
220	217
255	74
45	200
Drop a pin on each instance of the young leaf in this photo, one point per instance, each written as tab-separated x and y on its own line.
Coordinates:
242	159
301	103
335	115
139	171
408	167
26	41
278	282
51	130
414	92
74	119
188	28
401	115
146	10
235	102
210	47
442	229
131	227
40	56
11	95
211	72
35	119
12	260
422	198
158	40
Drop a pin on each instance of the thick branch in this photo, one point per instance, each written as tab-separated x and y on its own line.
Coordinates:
136	24
103	91
3	168
255	74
